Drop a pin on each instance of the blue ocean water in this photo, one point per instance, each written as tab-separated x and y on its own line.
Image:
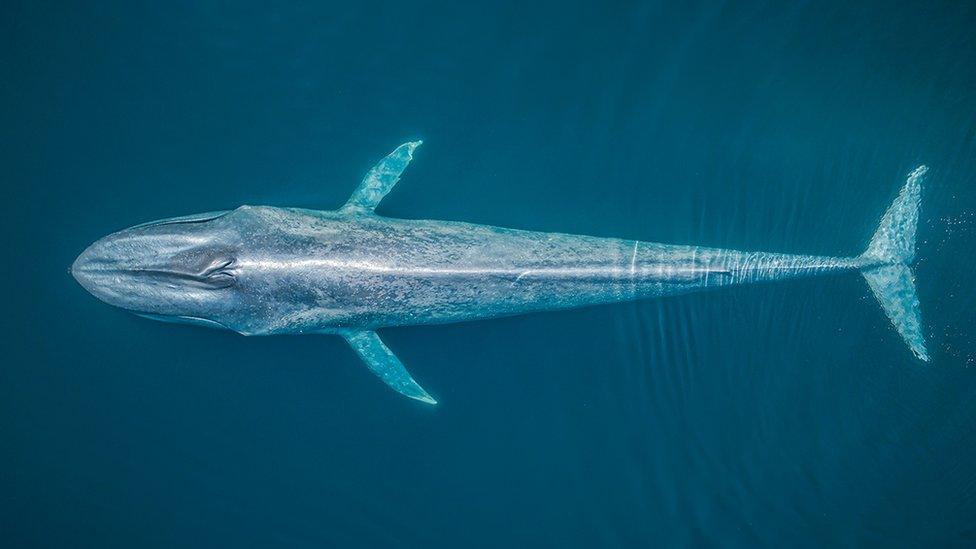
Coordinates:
785	414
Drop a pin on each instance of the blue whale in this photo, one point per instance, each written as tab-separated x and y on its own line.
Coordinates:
261	270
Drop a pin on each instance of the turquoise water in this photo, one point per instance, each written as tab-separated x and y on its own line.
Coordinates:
784	414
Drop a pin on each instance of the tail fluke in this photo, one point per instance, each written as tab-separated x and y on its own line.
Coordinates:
893	286
885	263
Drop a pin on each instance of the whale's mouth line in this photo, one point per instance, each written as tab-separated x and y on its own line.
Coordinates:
182	319
197	218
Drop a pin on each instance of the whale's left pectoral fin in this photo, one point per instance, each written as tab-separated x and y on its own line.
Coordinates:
380	180
385	364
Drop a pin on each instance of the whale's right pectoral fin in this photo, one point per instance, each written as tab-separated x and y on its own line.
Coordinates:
380	180
385	364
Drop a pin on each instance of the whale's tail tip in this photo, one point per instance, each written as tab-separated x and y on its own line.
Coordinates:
885	263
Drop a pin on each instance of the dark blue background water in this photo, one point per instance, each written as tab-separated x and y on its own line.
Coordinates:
787	414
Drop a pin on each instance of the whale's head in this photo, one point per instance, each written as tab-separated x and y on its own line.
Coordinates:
179	270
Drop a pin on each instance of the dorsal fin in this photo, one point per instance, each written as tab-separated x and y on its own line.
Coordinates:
380	179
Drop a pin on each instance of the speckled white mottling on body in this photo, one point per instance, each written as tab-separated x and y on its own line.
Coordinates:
263	270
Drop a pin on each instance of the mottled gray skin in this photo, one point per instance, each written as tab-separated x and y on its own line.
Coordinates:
263	270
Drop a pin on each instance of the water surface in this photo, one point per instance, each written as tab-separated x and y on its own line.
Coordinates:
785	414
